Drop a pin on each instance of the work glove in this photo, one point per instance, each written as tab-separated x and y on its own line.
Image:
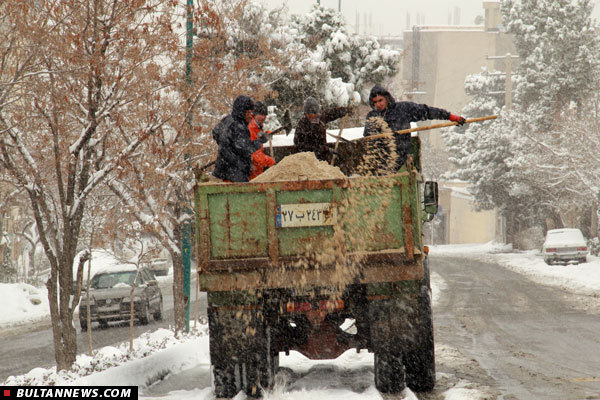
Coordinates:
458	119
263	136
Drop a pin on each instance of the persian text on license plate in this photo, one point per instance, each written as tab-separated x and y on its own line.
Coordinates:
308	214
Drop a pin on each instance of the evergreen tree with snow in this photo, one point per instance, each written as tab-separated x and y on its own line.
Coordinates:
357	61
524	162
559	53
305	55
484	153
558	48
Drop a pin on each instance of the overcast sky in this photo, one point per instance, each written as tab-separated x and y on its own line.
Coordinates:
389	17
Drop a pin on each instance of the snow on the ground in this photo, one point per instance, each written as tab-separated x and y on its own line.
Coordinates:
22	303
159	354
577	278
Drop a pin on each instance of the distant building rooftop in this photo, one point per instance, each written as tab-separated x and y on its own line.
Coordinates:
395	42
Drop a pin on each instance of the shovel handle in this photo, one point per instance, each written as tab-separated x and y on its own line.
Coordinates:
424	128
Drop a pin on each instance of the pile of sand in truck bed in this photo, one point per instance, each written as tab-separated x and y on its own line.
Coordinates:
299	167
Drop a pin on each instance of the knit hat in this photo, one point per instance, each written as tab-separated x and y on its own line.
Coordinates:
311	106
260	108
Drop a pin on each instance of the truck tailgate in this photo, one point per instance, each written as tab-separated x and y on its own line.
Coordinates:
258	230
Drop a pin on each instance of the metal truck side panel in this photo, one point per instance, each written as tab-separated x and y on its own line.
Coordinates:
237	225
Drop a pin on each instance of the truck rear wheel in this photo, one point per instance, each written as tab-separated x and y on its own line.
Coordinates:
420	360
386	325
389	372
241	352
224	380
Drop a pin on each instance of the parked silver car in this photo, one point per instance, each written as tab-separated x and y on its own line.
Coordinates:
110	291
564	245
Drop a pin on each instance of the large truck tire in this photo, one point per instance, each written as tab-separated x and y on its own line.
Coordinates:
389	372
419	361
386	339
241	353
224	380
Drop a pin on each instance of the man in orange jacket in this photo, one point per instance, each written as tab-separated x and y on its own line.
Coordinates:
260	160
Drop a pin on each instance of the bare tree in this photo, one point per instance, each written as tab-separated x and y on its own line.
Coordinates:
82	86
157	189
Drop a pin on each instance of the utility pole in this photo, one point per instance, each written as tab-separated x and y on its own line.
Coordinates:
339	5
508	82
508	79
508	104
186	230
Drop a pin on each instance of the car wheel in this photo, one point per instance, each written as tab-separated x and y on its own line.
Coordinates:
103	323
158	314
144	314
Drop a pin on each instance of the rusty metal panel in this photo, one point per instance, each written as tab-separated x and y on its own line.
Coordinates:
238	225
271	227
386	267
202	230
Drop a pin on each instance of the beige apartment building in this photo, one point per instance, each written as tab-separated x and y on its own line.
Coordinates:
436	61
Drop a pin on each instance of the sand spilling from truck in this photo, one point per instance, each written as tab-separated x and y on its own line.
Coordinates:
380	155
300	167
339	258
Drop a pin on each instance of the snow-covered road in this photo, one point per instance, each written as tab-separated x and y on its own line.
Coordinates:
159	356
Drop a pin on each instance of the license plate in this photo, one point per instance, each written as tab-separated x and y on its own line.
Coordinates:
109	309
307	214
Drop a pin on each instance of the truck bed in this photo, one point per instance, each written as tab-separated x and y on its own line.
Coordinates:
274	235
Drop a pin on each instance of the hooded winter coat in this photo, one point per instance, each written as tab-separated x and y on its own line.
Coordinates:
398	115
313	136
234	159
260	160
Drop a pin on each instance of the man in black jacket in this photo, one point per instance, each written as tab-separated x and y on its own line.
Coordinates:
234	159
387	115
311	131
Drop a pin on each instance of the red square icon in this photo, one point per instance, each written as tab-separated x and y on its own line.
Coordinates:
6	392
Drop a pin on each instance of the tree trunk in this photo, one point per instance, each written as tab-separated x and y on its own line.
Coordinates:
178	293
594	220
61	314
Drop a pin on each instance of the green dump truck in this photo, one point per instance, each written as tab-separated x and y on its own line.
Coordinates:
320	267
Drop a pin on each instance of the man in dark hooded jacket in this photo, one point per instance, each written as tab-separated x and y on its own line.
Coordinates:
311	131
388	114
234	159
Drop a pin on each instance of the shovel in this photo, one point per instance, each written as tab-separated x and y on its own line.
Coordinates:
287	127
339	137
424	128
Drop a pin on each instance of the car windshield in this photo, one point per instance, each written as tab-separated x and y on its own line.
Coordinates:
114	279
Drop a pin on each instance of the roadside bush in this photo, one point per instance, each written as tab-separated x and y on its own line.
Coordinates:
594	246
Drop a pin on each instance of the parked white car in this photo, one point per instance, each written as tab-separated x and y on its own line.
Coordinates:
564	245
